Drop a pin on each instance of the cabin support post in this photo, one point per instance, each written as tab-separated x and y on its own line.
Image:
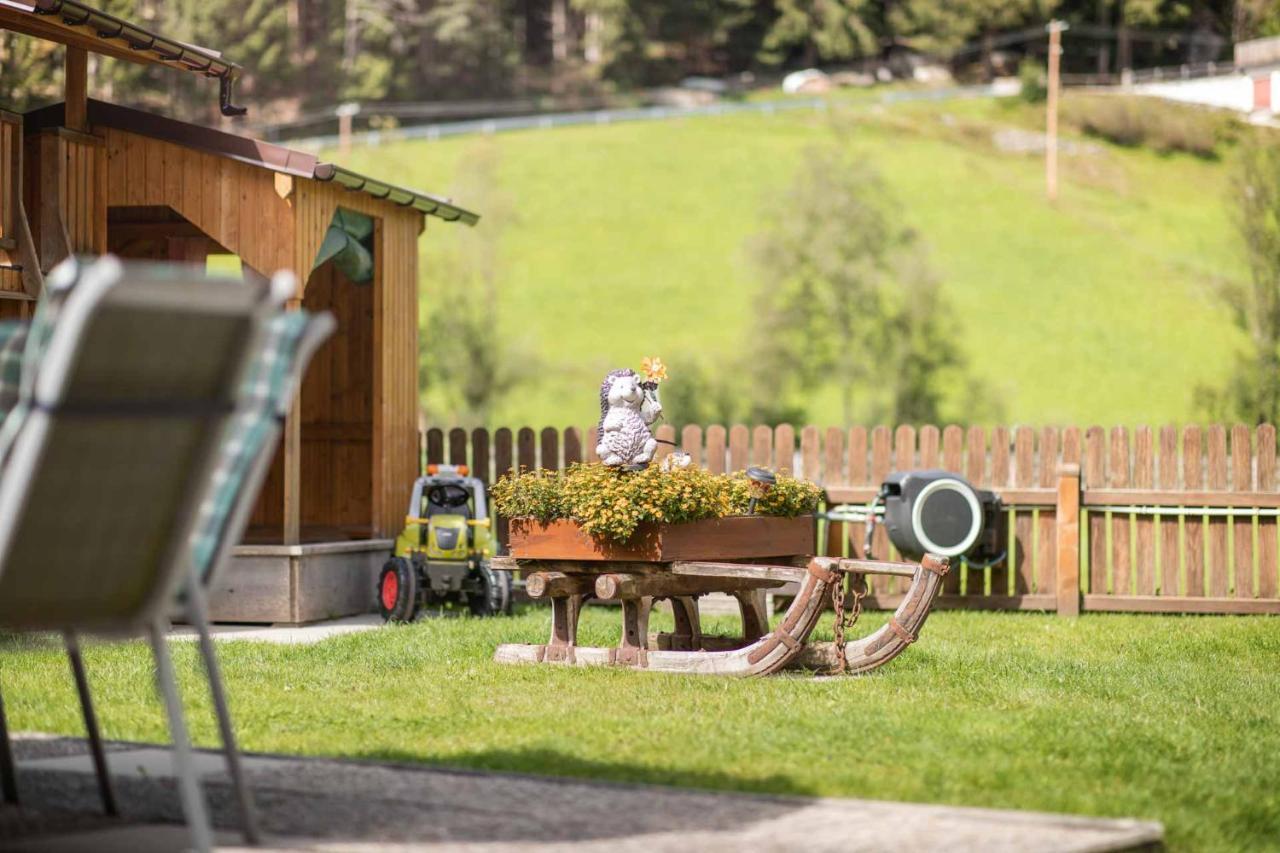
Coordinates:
76	89
1068	523
291	447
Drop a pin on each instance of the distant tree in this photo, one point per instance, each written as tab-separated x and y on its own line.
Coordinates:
847	300
822	30
942	26
1253	391
467	364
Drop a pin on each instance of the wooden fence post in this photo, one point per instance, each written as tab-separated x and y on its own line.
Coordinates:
1068	518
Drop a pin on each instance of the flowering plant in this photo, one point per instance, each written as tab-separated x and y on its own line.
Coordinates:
612	503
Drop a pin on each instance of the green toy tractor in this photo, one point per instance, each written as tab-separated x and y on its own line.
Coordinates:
442	556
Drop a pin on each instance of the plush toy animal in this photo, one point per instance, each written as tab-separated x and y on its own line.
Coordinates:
624	437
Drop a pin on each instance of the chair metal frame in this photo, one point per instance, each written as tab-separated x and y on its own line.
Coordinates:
93	285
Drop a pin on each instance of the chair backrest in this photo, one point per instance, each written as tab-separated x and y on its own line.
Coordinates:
127	385
249	441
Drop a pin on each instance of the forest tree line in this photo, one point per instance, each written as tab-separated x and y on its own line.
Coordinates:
302	55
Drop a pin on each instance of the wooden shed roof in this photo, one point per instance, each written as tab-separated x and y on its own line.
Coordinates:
74	23
255	152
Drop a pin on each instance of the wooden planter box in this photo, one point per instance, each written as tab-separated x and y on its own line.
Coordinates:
739	537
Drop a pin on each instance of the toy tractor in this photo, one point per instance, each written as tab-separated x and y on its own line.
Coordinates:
442	556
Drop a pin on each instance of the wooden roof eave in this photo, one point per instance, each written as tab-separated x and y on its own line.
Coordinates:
73	23
419	201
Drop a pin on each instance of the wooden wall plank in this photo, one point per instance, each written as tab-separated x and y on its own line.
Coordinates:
762	446
1218	567
930	442
435	446
1094	473
1144	567
691	443
881	465
904	448
481	466
811	454
739	448
1193	479
784	448
904	459
953	461
1170	478
1242	528
833	472
666	435
1023	545
716	440
549	447
975	471
1268	564
833	468
1118	477
458	446
526	450
593	443
572	446
503	452
858	474
1046	522
1001	475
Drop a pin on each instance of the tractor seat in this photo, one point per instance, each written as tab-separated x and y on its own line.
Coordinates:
435	509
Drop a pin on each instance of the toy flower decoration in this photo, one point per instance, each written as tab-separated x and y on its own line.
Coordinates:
654	369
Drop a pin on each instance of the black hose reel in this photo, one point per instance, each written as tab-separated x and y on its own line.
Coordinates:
938	512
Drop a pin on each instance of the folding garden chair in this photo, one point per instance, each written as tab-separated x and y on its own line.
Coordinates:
244	459
129	380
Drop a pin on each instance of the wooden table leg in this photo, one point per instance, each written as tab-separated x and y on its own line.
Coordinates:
687	636
564	628
633	648
755	613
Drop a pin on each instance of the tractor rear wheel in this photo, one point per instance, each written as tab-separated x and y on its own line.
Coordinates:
494	597
398	591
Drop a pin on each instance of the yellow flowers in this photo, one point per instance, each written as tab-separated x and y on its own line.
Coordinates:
612	503
654	369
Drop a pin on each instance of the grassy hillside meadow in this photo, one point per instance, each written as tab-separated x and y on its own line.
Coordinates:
630	241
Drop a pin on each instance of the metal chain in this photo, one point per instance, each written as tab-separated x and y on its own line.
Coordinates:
857	587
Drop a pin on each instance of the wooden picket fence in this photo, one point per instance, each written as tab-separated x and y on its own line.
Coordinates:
1148	520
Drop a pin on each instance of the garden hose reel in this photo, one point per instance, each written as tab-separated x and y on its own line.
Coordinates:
934	512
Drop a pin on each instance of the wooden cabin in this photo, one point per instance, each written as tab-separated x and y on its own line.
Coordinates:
86	177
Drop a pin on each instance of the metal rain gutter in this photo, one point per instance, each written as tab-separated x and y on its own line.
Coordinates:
105	26
421	202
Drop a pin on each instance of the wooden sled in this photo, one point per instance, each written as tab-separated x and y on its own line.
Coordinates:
759	651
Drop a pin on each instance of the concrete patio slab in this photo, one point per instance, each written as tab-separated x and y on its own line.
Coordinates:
326	805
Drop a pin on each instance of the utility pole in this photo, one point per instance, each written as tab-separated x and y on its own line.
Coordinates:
1051	111
345	113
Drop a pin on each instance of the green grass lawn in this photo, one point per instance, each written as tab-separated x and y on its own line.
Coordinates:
1170	718
1096	309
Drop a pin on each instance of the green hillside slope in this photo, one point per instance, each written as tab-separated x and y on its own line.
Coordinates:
630	240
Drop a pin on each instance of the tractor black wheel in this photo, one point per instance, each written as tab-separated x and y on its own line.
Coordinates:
398	591
494	598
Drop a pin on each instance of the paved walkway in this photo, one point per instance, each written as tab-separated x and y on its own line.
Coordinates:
321	805
287	634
